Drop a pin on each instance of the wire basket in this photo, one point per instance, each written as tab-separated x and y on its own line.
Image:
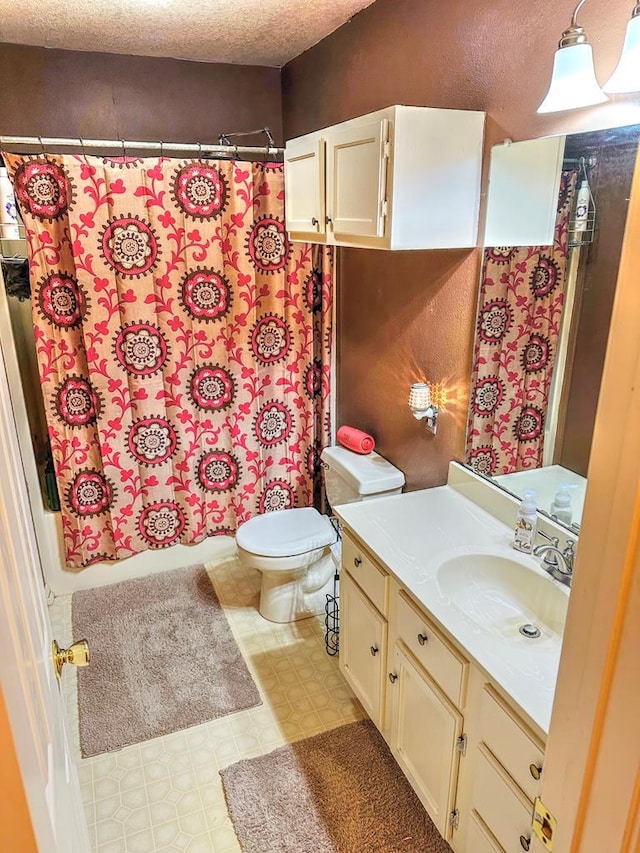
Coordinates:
332	618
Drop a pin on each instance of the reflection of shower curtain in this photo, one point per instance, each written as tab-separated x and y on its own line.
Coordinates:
183	346
520	309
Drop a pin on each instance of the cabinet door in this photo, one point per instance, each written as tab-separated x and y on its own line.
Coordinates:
357	160
424	729
304	183
524	181
363	640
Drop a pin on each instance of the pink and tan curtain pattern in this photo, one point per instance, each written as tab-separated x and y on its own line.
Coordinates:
521	299
183	345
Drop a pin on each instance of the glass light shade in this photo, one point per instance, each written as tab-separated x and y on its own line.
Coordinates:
626	77
420	398
573	82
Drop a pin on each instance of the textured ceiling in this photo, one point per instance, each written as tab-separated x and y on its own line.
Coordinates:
246	32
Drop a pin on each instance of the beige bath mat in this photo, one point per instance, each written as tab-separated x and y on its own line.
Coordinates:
338	792
163	658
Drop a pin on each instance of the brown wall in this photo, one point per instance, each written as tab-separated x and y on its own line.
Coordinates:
415	315
104	96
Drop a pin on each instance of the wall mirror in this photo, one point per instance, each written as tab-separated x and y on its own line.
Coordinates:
556	215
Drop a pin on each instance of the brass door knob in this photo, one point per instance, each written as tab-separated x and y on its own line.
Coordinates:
525	842
77	654
422	639
535	770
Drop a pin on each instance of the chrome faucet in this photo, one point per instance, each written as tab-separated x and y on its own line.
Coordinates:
558	563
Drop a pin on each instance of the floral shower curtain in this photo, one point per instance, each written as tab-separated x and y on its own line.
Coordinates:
183	345
521	299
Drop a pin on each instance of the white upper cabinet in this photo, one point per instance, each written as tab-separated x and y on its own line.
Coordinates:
357	180
304	169
524	181
399	178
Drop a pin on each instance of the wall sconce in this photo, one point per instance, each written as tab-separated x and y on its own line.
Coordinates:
573	81
422	406
626	77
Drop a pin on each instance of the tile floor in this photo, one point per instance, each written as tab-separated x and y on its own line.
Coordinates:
165	794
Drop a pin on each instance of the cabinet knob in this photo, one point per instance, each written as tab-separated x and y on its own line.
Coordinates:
374	650
357	561
328	220
535	770
393	677
315	221
422	639
525	843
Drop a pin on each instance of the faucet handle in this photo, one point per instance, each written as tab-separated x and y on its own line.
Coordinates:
555	541
569	551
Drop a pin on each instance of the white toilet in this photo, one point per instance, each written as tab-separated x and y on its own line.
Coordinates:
293	548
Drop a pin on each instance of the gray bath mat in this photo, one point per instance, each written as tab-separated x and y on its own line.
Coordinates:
338	792
163	658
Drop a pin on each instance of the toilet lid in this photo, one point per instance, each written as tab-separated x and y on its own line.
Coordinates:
286	533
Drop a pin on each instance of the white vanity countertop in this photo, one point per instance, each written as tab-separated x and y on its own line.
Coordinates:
412	535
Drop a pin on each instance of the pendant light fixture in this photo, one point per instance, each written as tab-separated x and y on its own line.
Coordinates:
626	77
573	81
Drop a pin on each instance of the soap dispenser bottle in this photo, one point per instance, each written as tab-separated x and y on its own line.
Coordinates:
561	507
526	523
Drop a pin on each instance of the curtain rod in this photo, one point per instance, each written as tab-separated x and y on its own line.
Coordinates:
204	148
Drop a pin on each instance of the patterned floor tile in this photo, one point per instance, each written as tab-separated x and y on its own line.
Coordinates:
165	795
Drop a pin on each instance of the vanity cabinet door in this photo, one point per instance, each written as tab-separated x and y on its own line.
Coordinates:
363	647
424	729
304	177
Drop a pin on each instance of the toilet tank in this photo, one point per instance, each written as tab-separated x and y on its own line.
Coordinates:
350	476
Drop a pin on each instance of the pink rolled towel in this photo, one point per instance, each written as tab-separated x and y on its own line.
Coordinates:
355	439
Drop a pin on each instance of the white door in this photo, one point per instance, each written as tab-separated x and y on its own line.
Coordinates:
304	184
362	647
32	695
357	180
425	727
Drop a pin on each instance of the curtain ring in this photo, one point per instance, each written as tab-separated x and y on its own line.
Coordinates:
199	150
124	148
84	153
161	148
42	151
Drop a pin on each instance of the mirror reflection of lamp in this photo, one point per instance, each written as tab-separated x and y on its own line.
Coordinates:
422	405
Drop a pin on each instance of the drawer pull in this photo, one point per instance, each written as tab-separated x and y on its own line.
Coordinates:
393	677
357	562
374	650
535	770
525	843
422	639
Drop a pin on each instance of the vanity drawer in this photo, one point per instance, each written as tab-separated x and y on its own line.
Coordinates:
501	804
445	664
507	738
371	580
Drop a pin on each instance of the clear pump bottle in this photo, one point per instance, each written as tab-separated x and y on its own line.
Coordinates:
526	523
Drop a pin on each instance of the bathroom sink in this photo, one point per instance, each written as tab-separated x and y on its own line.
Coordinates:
502	595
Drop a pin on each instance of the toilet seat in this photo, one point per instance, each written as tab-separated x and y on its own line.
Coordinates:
286	533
